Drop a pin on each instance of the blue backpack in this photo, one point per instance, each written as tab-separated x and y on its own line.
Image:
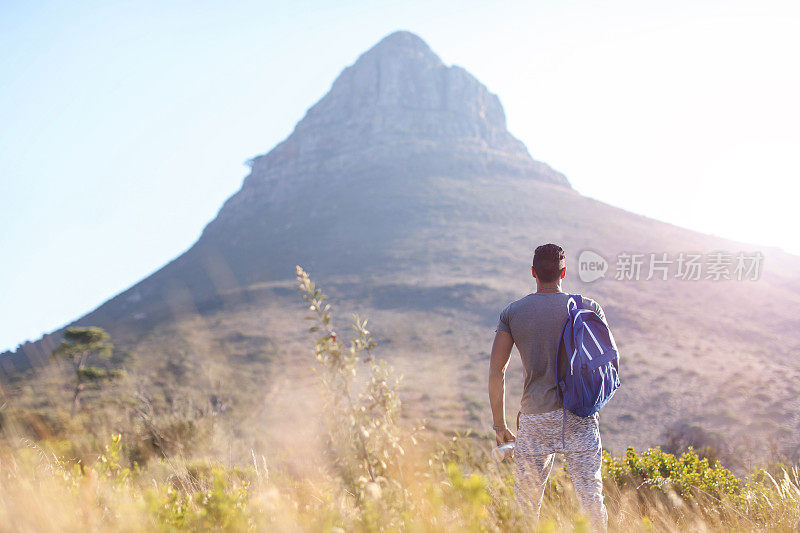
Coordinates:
591	376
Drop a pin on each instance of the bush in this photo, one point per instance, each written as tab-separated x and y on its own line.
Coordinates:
681	436
688	475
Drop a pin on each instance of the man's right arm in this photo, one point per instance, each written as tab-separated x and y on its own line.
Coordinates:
501	353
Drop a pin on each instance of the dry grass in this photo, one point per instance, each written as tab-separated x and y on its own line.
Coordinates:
444	485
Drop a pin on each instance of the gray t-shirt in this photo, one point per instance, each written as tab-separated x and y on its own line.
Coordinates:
535	322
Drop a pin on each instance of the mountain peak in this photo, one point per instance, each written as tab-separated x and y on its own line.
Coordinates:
398	97
403	42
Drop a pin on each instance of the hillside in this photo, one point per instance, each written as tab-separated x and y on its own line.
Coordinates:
403	192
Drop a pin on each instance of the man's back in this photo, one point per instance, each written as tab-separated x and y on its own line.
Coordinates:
535	322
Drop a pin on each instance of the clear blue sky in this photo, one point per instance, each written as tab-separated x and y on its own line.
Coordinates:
125	125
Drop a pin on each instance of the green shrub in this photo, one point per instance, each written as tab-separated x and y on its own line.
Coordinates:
688	475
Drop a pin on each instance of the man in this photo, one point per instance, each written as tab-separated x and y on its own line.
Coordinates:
534	324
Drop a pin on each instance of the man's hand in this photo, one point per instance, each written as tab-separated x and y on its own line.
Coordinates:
504	435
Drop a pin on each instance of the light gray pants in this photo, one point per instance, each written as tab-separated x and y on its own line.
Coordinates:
538	439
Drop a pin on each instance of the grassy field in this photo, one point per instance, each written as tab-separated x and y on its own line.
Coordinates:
442	485
343	455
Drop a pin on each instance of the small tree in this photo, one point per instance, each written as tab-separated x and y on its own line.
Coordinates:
78	346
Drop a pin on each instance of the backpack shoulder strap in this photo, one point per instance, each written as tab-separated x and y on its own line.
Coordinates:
577	298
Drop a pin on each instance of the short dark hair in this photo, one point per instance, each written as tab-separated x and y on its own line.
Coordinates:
548	260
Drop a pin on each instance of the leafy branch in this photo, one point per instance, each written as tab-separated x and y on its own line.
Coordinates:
362	405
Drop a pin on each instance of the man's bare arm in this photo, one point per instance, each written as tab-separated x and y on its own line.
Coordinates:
501	352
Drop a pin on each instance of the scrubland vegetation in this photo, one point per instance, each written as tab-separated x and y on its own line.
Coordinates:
364	469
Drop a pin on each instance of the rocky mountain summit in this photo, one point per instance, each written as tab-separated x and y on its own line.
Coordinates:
400	100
